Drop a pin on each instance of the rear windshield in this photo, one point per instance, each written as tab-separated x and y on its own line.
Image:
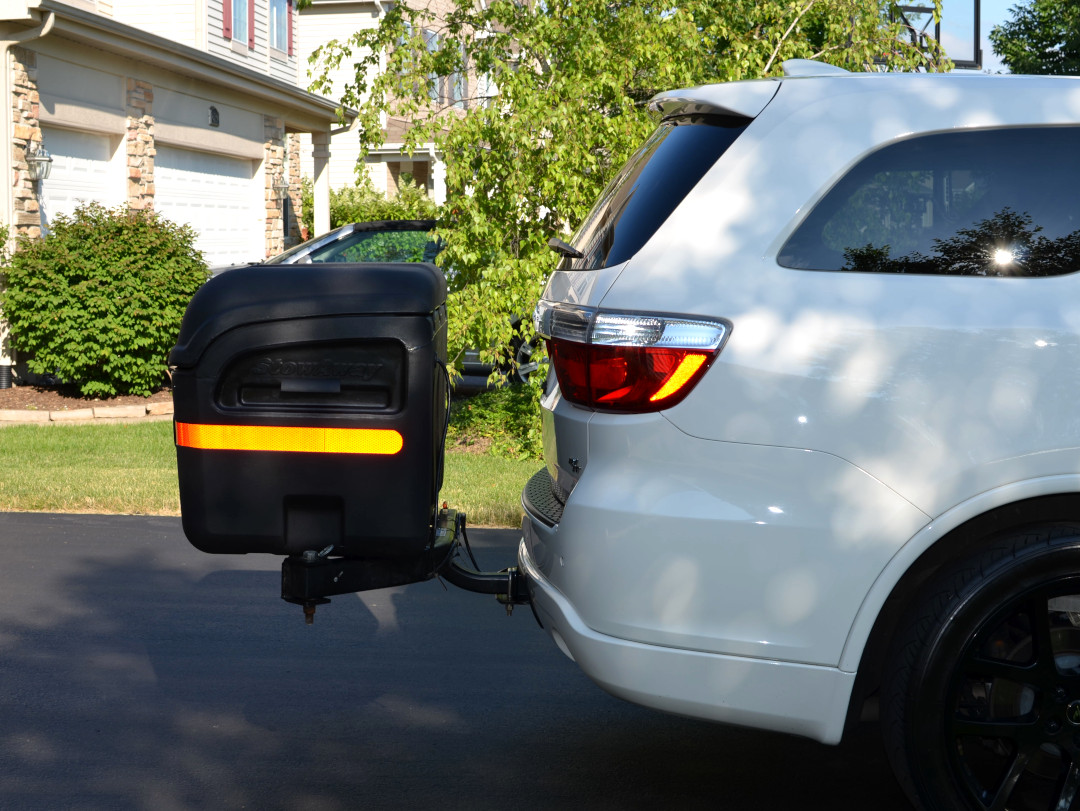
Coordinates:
978	203
649	187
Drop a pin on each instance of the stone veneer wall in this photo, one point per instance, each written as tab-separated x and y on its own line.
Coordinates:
274	170
292	144
25	106
139	144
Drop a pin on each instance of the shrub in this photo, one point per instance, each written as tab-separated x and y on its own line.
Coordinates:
504	421
98	302
362	203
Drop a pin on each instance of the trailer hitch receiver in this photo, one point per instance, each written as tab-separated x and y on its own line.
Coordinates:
310	579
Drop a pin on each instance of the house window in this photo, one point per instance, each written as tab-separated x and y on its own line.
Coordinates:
459	82
239	15
435	82
281	25
238	21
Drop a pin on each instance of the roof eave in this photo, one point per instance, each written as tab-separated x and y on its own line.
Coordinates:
304	109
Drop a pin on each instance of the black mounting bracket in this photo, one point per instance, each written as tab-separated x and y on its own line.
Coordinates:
309	579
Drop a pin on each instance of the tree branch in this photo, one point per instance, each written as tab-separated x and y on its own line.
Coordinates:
783	39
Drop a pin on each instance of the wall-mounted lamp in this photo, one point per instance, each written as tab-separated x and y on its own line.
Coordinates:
280	186
38	162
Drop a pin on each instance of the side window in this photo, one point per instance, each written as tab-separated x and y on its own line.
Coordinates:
982	203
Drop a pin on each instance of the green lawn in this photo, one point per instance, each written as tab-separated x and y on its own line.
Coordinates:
132	469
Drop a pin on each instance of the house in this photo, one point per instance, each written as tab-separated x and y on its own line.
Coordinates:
191	107
186	106
326	20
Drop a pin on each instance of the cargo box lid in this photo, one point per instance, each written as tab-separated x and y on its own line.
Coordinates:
261	293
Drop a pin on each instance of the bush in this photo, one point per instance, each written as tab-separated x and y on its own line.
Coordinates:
98	302
503	421
362	203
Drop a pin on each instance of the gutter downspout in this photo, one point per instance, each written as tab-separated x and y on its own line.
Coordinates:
7	206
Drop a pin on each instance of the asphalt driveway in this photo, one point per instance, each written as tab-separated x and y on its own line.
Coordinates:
137	672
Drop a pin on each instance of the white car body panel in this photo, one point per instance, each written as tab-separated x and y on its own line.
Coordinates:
784	697
703	546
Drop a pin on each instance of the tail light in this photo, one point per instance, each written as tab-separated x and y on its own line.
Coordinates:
629	362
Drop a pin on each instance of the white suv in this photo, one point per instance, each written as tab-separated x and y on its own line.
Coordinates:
813	436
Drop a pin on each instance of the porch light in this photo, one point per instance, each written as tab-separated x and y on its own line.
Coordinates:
38	162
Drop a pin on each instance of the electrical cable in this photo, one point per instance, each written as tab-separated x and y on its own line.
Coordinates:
465	537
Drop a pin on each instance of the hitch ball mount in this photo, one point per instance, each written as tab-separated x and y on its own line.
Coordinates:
310	579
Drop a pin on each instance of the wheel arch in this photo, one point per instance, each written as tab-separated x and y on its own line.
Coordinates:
953	535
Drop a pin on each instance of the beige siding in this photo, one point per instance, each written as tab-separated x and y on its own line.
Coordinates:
279	65
319	24
285	68
176	20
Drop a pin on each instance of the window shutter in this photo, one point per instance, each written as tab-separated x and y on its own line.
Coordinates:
289	23
251	24
226	19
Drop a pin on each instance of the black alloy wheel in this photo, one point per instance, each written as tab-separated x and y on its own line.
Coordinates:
982	707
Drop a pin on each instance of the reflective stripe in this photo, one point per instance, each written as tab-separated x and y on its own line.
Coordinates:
289	439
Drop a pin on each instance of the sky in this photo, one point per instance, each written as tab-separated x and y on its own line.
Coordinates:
958	22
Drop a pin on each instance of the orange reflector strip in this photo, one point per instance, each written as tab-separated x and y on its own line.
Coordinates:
289	439
679	378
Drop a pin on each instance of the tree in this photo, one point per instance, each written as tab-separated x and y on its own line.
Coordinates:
1043	37
558	103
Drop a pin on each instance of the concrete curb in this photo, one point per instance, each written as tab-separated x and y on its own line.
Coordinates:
86	416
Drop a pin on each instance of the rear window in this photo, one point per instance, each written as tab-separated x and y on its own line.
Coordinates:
649	187
983	203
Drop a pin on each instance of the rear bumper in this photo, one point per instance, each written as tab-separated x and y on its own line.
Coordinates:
799	699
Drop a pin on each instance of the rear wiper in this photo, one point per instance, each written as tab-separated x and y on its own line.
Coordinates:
565	249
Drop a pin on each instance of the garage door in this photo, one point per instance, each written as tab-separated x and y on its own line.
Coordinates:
218	197
81	171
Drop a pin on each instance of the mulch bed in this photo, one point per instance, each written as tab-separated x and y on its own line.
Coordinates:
43	398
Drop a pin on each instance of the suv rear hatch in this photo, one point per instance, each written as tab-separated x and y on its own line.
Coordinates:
631	362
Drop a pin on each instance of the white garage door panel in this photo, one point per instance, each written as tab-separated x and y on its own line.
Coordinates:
81	171
217	196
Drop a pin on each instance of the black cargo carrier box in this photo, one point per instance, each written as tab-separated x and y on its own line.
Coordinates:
310	409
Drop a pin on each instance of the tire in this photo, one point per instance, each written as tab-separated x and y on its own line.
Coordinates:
981	699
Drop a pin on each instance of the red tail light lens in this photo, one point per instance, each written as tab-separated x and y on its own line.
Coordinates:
627	361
